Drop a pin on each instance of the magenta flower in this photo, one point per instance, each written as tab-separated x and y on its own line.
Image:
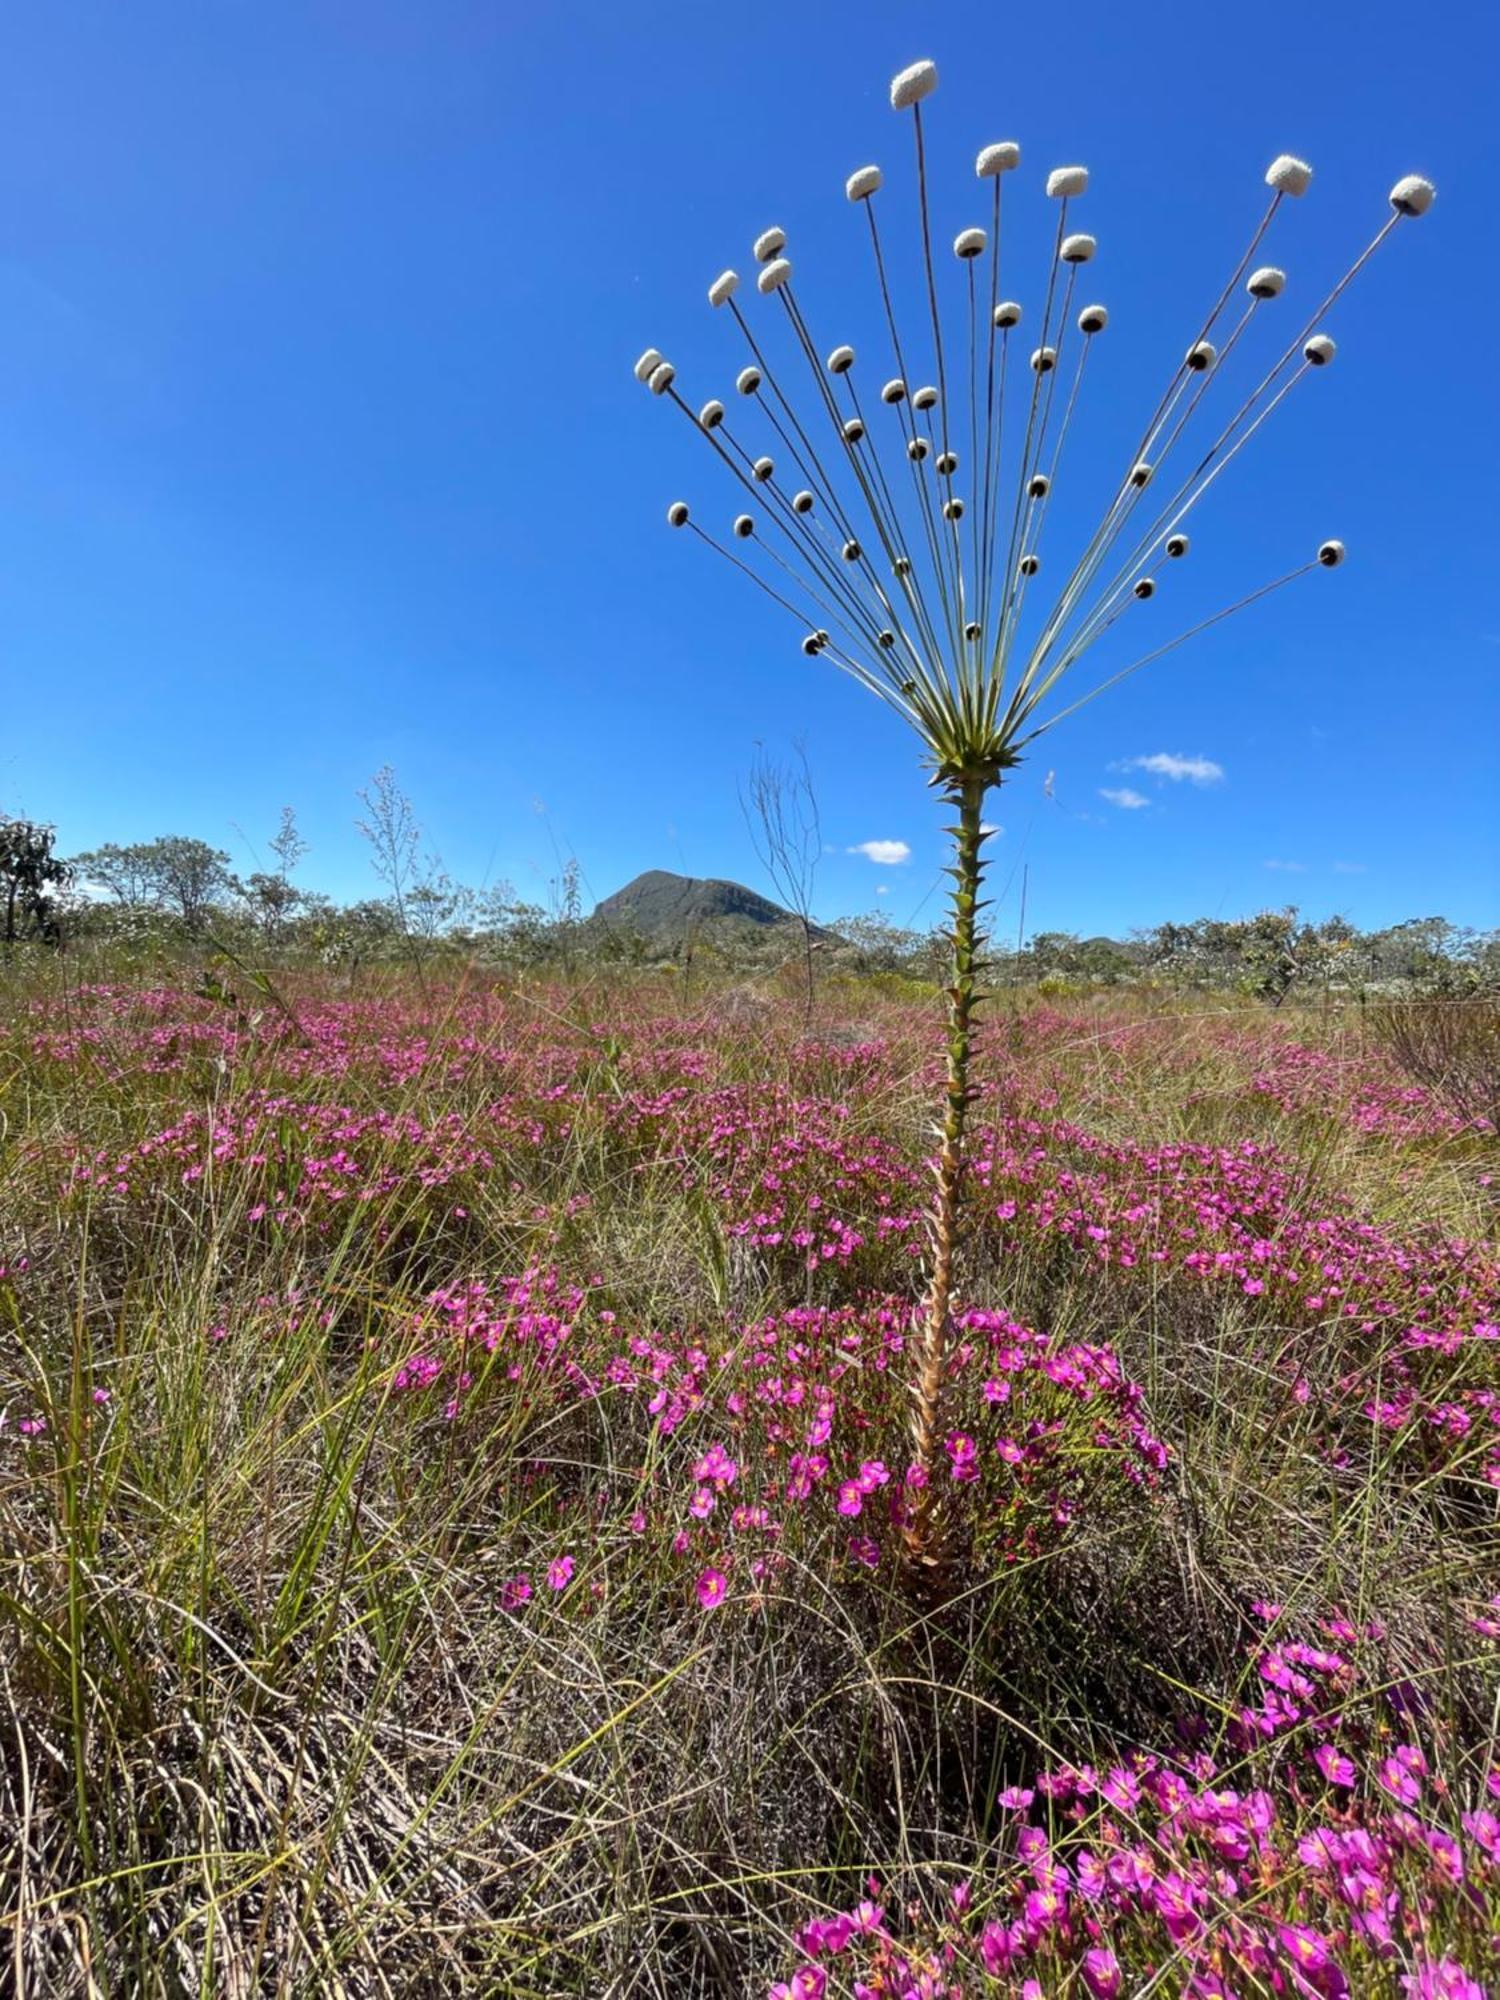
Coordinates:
712	1587
1399	1781
515	1593
1334	1765
851	1498
1101	1973
560	1573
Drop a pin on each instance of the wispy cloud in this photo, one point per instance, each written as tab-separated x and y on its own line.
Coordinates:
884	853
1348	868
1167	764
1124	798
1288	867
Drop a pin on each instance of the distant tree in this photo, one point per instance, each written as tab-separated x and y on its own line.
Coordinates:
781	811
31	876
175	873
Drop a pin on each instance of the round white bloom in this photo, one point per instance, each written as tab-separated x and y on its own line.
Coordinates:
1331	554
743	526
1177	545
774	275
886	638
763	468
770	243
1029	565
852	552
894	391
969	243
997	159
972	630
747	381
1266	283
711	415
946	463
918	448
1007	313
1093	319
1145	588
812	644
1067	180
1202	356
1078	249
648	364
953	510
1289	175
854	430
924	398
863	183
1039	486
840	361
1320	350
723	288
677	514
902	566
1044	359
662	378
1140	474
802	503
1412	195
913	84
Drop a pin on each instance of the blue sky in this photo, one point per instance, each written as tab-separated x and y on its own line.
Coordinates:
323	450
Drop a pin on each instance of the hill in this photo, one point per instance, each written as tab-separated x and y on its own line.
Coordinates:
667	908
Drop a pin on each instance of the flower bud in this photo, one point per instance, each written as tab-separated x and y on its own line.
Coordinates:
1412	195
894	391
711	415
1289	175
802	503
1079	248
774	275
648	364
1320	350
723	288
863	183
1063	181
1266	283
747	381
969	243
854	430
1044	360
770	243
1007	313
1093	319
1331	554
924	398
662	378
840	361
677	514
997	159
763	468
911	85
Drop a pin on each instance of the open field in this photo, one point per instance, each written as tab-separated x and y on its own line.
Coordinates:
453	1458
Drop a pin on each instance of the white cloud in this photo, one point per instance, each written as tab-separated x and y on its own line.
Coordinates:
1348	868
884	853
1124	798
882	890
1164	764
1288	867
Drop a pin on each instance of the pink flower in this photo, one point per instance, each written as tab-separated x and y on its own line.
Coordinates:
712	1587
560	1573
1101	1973
515	1593
851	1498
1399	1781
1334	1765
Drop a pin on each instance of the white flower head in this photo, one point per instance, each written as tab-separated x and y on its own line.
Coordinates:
1145	588
1177	546
864	182
774	275
812	644
840	361
1201	356
1078	249
1093	319
911	85
743	526
902	566
1063	181
852	551
1289	175
925	398
712	414
770	243
1029	565
802	503
1331	554
894	391
1044	360
946	463
1320	350
953	510
917	448
1140	472
1000	158
1267	283
1412	195
723	288
648	364
969	243
1007	313
677	514
763	468
1038	486
663	375
854	430
747	381
972	630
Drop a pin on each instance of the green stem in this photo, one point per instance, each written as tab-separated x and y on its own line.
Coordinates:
924	1528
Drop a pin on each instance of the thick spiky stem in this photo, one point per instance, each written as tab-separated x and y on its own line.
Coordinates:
924	1530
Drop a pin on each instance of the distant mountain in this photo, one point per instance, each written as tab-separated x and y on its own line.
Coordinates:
667	908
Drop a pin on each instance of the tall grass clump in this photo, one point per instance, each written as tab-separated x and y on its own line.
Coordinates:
922	598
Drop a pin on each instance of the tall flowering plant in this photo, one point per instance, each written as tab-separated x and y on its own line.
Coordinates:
916	582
